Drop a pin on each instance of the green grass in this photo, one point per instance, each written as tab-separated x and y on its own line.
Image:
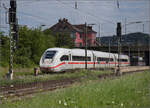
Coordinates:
129	91
17	72
26	76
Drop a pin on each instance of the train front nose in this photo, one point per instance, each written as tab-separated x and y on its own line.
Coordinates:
46	63
47	66
46	69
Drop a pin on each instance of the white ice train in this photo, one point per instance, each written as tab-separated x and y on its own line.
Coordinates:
62	59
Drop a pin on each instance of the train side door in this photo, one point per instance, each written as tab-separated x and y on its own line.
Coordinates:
70	65
94	60
115	60
64	61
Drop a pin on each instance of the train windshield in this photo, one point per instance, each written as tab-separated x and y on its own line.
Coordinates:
50	54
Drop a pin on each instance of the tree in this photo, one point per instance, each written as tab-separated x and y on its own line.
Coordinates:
31	45
4	50
63	40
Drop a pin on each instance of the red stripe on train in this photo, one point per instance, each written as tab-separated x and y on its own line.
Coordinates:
87	63
57	65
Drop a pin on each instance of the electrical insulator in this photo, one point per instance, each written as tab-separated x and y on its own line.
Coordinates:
119	29
15	28
12	11
13	4
15	37
12	16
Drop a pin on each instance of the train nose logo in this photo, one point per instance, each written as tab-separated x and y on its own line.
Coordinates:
47	61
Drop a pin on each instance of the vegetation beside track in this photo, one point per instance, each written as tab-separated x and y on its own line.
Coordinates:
31	44
129	91
26	75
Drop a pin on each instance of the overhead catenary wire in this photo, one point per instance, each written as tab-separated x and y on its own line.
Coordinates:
37	17
89	14
80	11
77	0
32	1
67	3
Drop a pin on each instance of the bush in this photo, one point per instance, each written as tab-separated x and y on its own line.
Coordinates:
31	45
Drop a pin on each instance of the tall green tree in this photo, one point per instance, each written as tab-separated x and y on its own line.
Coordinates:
31	44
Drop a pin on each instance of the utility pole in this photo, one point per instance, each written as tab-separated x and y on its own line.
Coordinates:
125	25
76	5
0	14
129	50
13	34
99	33
149	36
138	52
119	44
0	29
149	49
85	45
109	52
143	28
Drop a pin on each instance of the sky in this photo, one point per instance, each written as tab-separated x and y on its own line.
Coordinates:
104	14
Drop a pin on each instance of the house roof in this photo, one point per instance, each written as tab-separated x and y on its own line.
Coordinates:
82	27
64	26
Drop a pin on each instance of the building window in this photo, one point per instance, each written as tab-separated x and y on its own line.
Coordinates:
80	44
71	35
80	36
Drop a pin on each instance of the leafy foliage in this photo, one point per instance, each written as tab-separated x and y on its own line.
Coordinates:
31	44
4	50
64	40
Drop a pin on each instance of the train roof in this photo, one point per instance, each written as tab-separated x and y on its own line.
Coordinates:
79	51
58	49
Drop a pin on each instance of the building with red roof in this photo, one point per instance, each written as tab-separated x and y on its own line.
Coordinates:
77	32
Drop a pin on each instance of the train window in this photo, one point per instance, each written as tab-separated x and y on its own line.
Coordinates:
50	54
111	59
123	60
64	58
80	58
88	58
104	59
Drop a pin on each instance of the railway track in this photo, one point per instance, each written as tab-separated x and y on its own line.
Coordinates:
30	88
35	87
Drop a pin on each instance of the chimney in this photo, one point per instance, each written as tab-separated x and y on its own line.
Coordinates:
59	20
90	27
66	20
